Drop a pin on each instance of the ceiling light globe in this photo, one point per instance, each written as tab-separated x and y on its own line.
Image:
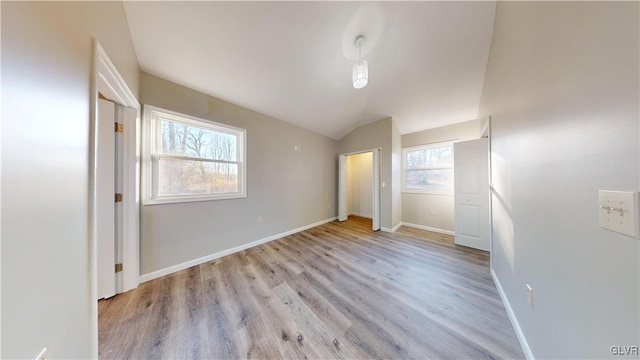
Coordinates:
360	74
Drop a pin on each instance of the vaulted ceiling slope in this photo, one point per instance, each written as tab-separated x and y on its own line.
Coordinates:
293	60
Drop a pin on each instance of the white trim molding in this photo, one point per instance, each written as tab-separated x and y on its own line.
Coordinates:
512	316
428	228
187	264
391	230
109	82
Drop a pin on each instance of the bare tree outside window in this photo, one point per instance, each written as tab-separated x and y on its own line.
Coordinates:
429	168
178	176
192	158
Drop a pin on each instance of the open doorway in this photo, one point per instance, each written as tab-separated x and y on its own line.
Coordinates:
123	116
359	188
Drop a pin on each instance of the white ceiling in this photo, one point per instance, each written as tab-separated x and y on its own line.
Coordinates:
292	60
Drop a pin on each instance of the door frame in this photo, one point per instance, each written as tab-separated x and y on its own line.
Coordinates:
342	188
375	186
107	80
486	132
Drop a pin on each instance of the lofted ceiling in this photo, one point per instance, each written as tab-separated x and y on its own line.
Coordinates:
292	60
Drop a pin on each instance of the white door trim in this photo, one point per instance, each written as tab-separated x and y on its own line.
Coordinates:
489	168
375	188
342	188
107	80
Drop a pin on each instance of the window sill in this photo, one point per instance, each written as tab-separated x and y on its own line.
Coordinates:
189	199
419	192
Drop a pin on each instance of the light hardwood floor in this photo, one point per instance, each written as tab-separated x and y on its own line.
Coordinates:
335	291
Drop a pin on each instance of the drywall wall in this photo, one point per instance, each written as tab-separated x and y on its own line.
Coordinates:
379	134
416	207
360	184
562	90
288	189
467	130
47	50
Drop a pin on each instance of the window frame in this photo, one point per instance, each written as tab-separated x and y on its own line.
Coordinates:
405	150
151	155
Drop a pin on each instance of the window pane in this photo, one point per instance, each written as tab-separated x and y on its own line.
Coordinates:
433	157
184	177
186	140
441	180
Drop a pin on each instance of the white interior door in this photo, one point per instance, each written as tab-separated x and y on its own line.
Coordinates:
342	189
128	211
119	184
471	172
376	190
105	198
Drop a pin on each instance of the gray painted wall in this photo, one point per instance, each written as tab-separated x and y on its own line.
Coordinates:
380	134
47	52
288	189
415	207
467	130
562	89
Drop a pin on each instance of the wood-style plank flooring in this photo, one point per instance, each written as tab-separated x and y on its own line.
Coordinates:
335	291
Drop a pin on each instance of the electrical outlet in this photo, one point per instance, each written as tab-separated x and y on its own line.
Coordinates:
432	212
529	295
259	219
42	355
328	206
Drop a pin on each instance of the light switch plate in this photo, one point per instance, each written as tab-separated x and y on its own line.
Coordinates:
529	295
619	211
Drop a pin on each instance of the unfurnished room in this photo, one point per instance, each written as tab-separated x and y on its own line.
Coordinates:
320	180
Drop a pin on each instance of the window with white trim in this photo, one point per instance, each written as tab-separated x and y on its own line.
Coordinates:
192	159
428	169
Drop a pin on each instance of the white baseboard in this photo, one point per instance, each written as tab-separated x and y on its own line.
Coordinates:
392	230
187	264
429	228
512	316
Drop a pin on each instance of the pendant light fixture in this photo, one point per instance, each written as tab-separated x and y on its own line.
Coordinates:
360	68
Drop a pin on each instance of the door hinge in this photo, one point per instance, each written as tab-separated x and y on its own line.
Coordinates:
119	127
118	267
118	197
